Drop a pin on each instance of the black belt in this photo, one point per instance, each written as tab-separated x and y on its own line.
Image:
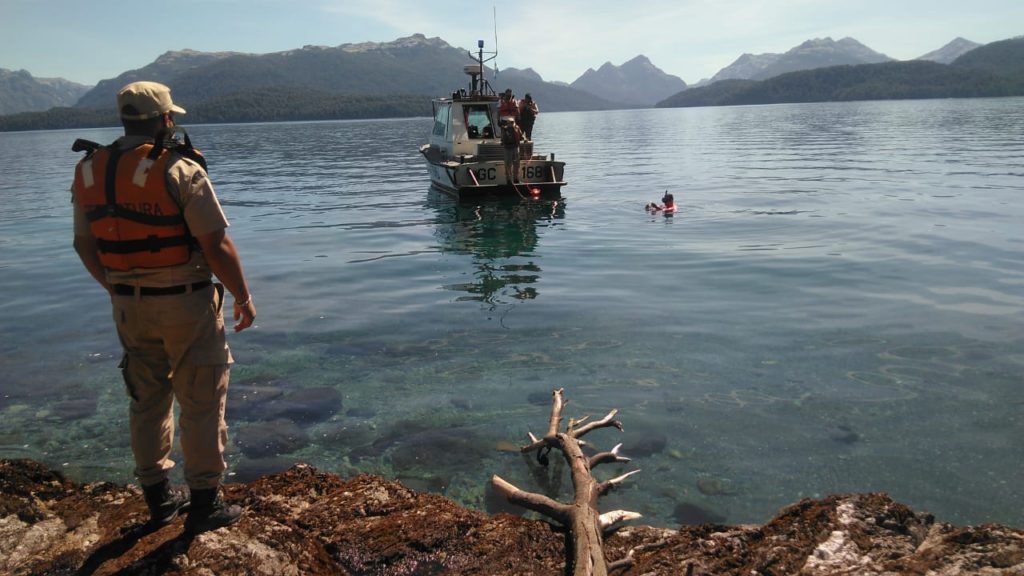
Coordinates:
129	290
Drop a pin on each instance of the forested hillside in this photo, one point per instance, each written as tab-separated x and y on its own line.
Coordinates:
398	79
993	70
20	92
264	105
1005	58
392	79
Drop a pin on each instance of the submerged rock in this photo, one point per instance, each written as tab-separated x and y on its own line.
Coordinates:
306	522
432	484
844	434
273	401
245	400
75	409
265	439
647	445
304	406
249	469
446	448
710	486
689	514
539	398
360	412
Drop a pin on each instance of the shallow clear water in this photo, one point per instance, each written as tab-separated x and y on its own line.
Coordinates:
836	307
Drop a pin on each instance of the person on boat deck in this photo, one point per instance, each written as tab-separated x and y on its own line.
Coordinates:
668	204
508	108
511	136
528	111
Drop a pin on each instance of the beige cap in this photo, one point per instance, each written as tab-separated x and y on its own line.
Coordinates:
144	100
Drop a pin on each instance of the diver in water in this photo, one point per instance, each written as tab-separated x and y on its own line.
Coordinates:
668	204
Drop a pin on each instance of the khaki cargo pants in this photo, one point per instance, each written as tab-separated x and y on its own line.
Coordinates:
175	348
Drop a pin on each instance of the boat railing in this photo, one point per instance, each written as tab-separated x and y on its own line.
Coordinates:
495	151
461	95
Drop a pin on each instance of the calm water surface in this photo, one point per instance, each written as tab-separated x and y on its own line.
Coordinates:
838	306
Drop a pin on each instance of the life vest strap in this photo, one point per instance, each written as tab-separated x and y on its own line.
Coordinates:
165	141
110	178
100	212
149	244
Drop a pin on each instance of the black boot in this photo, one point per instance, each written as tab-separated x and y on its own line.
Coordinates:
209	511
164	502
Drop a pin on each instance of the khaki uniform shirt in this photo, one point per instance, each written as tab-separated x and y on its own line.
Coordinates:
191	187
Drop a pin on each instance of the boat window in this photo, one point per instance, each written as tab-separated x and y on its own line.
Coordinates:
441	119
478	121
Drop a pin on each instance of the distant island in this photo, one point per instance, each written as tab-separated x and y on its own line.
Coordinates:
398	79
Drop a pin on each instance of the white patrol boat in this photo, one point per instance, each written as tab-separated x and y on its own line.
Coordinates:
465	156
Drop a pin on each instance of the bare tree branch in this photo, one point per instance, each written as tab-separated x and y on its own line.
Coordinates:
610	519
621	565
557	402
608	457
607	485
581	517
532	501
607	421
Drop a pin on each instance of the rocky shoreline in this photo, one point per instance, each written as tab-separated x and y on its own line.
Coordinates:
304	521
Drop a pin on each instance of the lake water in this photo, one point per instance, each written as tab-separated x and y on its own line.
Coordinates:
837	306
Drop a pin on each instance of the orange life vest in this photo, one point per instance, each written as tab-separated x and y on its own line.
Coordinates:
508	108
135	219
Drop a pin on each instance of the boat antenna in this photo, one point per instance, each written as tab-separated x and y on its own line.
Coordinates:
477	70
495	9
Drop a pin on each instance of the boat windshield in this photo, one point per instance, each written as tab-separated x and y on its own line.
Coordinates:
441	118
478	121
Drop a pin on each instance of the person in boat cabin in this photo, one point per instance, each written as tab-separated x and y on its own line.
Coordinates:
528	111
508	108
511	136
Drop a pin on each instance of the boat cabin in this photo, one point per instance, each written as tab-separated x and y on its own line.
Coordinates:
464	153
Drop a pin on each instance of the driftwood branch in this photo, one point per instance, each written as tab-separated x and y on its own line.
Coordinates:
586	524
607	457
532	501
607	421
612	519
621	565
607	485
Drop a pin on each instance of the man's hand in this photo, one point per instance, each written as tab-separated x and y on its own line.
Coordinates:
245	314
223	259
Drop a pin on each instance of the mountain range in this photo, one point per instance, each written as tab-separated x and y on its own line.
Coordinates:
21	92
992	70
391	79
637	82
816	53
411	66
950	52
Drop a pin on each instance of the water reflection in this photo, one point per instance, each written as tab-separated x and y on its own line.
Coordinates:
501	236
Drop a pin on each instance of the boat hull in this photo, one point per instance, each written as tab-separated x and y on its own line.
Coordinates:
462	179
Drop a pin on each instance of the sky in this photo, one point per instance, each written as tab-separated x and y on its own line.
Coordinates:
88	41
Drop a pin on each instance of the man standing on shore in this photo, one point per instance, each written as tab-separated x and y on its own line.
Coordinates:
149	228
